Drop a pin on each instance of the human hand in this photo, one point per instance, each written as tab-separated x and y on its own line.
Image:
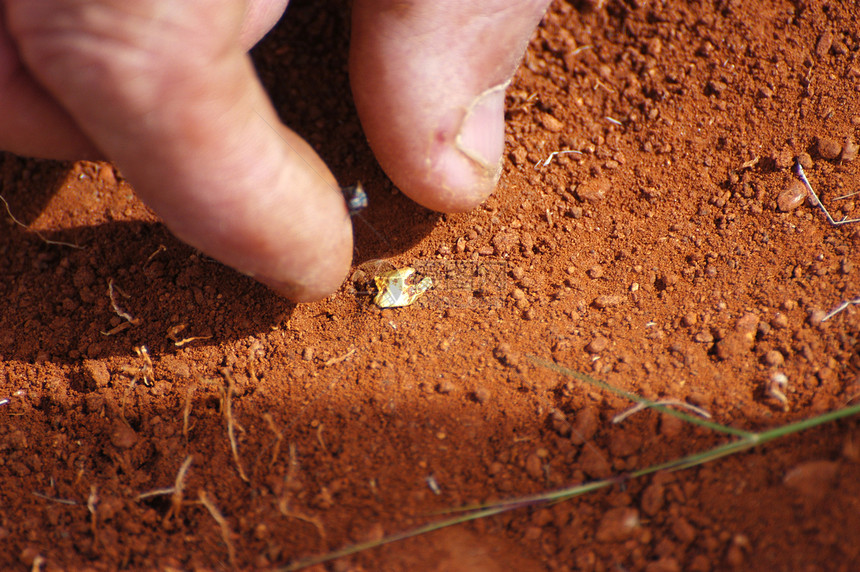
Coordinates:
167	92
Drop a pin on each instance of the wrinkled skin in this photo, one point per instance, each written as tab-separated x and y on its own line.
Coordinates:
166	90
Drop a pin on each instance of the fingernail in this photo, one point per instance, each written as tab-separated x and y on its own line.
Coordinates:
482	134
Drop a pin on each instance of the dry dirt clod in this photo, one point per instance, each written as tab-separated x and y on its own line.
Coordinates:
783	159
740	340
445	387
122	436
792	197
849	149
824	43
506	355
595	271
97	372
593	190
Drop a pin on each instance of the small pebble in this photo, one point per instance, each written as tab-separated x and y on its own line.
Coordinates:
106	176
618	524
704	337
504	242
774	358
585	426
783	159
607	301
792	197
829	148
593	190
445	387
308	353
816	316
716	87
689	319
653	497
482	395
812	479
849	150
597	345
552	124
534	466
506	355
805	160
595	271
779	321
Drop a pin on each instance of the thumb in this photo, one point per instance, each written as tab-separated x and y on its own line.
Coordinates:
429	81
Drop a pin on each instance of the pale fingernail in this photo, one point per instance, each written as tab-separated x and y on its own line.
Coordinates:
470	165
482	134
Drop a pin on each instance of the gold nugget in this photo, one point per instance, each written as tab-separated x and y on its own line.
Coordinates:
393	290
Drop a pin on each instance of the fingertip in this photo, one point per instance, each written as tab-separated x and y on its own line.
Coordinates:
320	269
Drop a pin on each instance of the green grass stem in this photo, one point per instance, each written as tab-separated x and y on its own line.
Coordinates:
746	440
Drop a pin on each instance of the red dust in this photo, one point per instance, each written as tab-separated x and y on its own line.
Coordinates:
687	114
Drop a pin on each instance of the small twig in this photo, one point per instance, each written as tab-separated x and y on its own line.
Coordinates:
92	501
839	308
155	493
36	232
552	155
433	484
117	310
161	248
54	499
320	439
142	372
279	437
641	406
284	502
222	523
336	360
776	386
751	163
849	195
173	334
186	411
802	176
228	416
178	488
